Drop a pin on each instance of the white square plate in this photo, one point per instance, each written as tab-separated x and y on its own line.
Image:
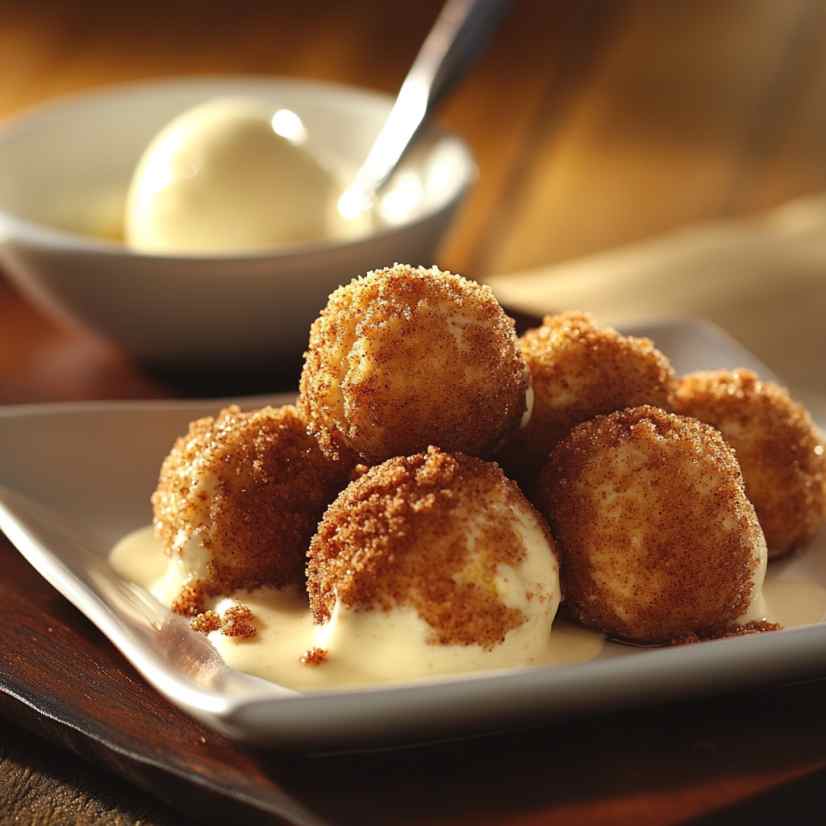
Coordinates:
76	477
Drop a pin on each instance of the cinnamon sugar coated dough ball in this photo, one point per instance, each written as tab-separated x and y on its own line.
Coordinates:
407	357
658	539
580	370
780	451
237	502
438	559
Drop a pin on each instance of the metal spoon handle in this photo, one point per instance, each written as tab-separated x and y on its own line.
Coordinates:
459	34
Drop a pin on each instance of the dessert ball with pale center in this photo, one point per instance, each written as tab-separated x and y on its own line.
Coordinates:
430	563
780	451
407	357
580	370
657	537
237	502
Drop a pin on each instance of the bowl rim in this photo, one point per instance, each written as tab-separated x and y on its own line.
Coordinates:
14	227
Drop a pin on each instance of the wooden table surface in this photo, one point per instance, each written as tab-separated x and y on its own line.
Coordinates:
594	123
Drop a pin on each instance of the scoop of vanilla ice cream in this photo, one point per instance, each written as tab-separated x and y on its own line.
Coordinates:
231	176
397	644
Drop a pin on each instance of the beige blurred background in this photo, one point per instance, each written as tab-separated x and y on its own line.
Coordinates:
595	123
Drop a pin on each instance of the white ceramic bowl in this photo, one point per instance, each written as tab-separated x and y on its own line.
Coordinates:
64	165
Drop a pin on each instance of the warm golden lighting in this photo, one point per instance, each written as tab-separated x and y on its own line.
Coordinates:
403	198
353	203
289	126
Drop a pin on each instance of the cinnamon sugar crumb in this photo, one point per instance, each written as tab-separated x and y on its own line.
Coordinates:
741	630
190	601
205	622
314	656
402	535
238	621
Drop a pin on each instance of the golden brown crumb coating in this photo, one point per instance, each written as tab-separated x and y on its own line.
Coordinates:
738	630
658	539
580	370
248	489
426	531
314	656
237	621
779	449
406	357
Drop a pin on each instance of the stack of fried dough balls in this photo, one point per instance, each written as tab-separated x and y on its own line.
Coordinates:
649	483
416	371
399	360
663	520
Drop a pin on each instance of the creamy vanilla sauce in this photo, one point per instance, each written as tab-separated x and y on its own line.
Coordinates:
794	602
139	557
286	629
